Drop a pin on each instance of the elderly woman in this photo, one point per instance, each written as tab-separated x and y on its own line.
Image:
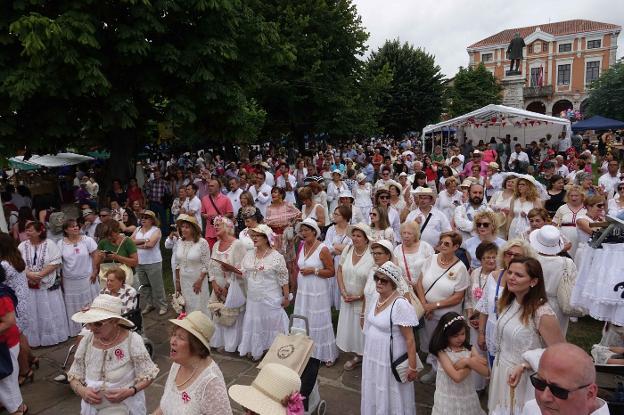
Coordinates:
412	252
486	223
526	322
393	313
525	198
195	384
380	225
449	198
42	262
351	276
192	262
227	250
382	253
566	215
264	270
313	300
337	240
441	289
117	287
111	365
116	248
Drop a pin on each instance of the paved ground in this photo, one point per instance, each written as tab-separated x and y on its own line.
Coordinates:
338	388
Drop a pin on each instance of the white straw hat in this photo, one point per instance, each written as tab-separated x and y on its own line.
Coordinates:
361	227
392	272
360	177
337	171
546	240
386	244
423	191
311	223
346	193
273	385
264	230
103	307
198	324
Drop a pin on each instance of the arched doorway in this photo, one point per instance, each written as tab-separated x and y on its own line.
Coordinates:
561	105
537	106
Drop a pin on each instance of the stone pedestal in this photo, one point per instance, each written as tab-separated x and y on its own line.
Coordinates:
513	91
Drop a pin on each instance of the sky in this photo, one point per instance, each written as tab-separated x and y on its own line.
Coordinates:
445	28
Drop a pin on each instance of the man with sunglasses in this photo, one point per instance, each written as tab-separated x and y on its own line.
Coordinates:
565	384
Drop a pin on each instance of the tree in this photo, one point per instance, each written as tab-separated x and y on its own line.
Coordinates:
414	96
606	96
473	88
109	72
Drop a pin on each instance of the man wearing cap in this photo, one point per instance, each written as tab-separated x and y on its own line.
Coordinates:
286	181
519	160
432	221
464	213
477	158
565	383
215	204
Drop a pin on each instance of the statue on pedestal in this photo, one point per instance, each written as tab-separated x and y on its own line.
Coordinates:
514	52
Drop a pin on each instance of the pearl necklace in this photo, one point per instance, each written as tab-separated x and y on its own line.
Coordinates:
109	344
179	385
383	303
442	262
356	252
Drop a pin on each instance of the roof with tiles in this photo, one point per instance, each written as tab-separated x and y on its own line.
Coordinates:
556	29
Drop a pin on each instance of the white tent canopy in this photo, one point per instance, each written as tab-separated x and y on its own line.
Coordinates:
53	160
498	121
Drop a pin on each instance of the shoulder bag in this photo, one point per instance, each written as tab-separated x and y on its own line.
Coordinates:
104	267
414	301
400	366
424	225
564	292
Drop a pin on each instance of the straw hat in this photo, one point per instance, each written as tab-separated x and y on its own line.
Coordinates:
337	171
423	191
468	181
273	385
151	215
264	230
189	219
386	244
198	324
546	240
346	193
86	212
393	183
391	271
361	227
493	165
103	307
360	177
310	223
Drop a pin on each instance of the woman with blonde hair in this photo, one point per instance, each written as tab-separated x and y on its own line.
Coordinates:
380	225
566	215
525	198
449	198
411	253
246	200
486	224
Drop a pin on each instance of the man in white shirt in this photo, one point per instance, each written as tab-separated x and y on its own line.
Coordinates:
519	160
234	194
91	223
432	221
464	213
564	144
562	169
286	181
261	192
192	205
269	178
610	180
565	383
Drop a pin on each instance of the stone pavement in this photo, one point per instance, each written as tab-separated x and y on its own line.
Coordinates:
338	388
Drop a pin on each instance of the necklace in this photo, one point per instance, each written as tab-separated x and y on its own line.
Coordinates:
500	328
179	385
356	252
443	262
110	343
383	303
307	255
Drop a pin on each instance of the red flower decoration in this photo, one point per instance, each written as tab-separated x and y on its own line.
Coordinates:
182	316
185	397
119	354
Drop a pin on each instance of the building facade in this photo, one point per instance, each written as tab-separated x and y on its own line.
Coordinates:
560	62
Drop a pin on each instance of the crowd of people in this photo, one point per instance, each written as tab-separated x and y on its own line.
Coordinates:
458	255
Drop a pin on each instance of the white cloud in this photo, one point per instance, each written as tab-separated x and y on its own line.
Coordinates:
445	28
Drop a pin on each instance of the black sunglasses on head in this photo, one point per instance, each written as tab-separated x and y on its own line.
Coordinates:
557	391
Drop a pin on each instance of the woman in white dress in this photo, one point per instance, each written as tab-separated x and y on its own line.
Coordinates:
381	393
595	206
337	240
80	271
526	197
382	199
334	188
351	275
616	204
265	273
195	384
363	194
566	215
192	262
49	323
309	209
526	322
251	218
380	226
230	250
449	198
486	224
397	201
411	254
501	200
313	300
441	289
382	253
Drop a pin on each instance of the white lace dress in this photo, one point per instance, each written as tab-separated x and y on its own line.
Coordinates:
264	316
207	395
193	258
349	336
565	219
18	283
381	393
120	366
228	337
453	398
411	263
513	338
333	238
313	302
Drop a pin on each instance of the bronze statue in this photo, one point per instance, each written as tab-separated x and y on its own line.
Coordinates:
514	52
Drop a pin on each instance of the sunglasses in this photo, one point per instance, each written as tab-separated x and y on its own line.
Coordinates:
483	224
377	253
557	391
103	216
445	243
384	197
600	205
383	281
511	254
373	214
620	189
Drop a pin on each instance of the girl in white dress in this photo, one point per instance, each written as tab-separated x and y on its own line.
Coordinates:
264	270
351	275
312	301
501	200
566	215
526	197
363	194
231	251
455	390
192	262
337	240
525	322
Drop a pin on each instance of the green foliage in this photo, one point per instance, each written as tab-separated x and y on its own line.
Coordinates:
414	96
473	88
606	97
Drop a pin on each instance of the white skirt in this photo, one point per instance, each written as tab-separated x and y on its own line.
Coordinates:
10	394
349	336
263	321
229	337
78	293
49	325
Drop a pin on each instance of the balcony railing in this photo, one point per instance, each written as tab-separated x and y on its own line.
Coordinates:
538	91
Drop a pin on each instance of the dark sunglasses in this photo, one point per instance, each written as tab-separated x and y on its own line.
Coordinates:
483	224
600	205
557	391
620	188
103	216
373	214
384	281
384	197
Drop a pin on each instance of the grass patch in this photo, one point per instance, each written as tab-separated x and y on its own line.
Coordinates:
585	333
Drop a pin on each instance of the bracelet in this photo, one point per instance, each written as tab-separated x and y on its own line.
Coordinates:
135	389
316	271
412	369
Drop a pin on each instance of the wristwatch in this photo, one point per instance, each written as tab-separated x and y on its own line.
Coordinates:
438	305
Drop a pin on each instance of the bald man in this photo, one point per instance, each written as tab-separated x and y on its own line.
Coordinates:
565	384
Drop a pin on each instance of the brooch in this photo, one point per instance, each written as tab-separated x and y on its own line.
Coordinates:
452	276
185	397
119	354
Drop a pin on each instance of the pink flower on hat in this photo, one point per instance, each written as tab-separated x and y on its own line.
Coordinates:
181	316
294	404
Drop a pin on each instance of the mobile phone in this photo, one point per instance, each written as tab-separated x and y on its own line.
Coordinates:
108	252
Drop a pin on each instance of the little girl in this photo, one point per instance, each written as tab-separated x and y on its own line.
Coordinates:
455	392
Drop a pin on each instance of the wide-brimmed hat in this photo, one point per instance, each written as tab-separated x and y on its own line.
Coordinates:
360	177
198	324
189	219
468	181
386	244
346	193
87	212
391	271
546	240
360	227
423	191
264	230
102	308
151	214
493	165
337	171
310	223
273	385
